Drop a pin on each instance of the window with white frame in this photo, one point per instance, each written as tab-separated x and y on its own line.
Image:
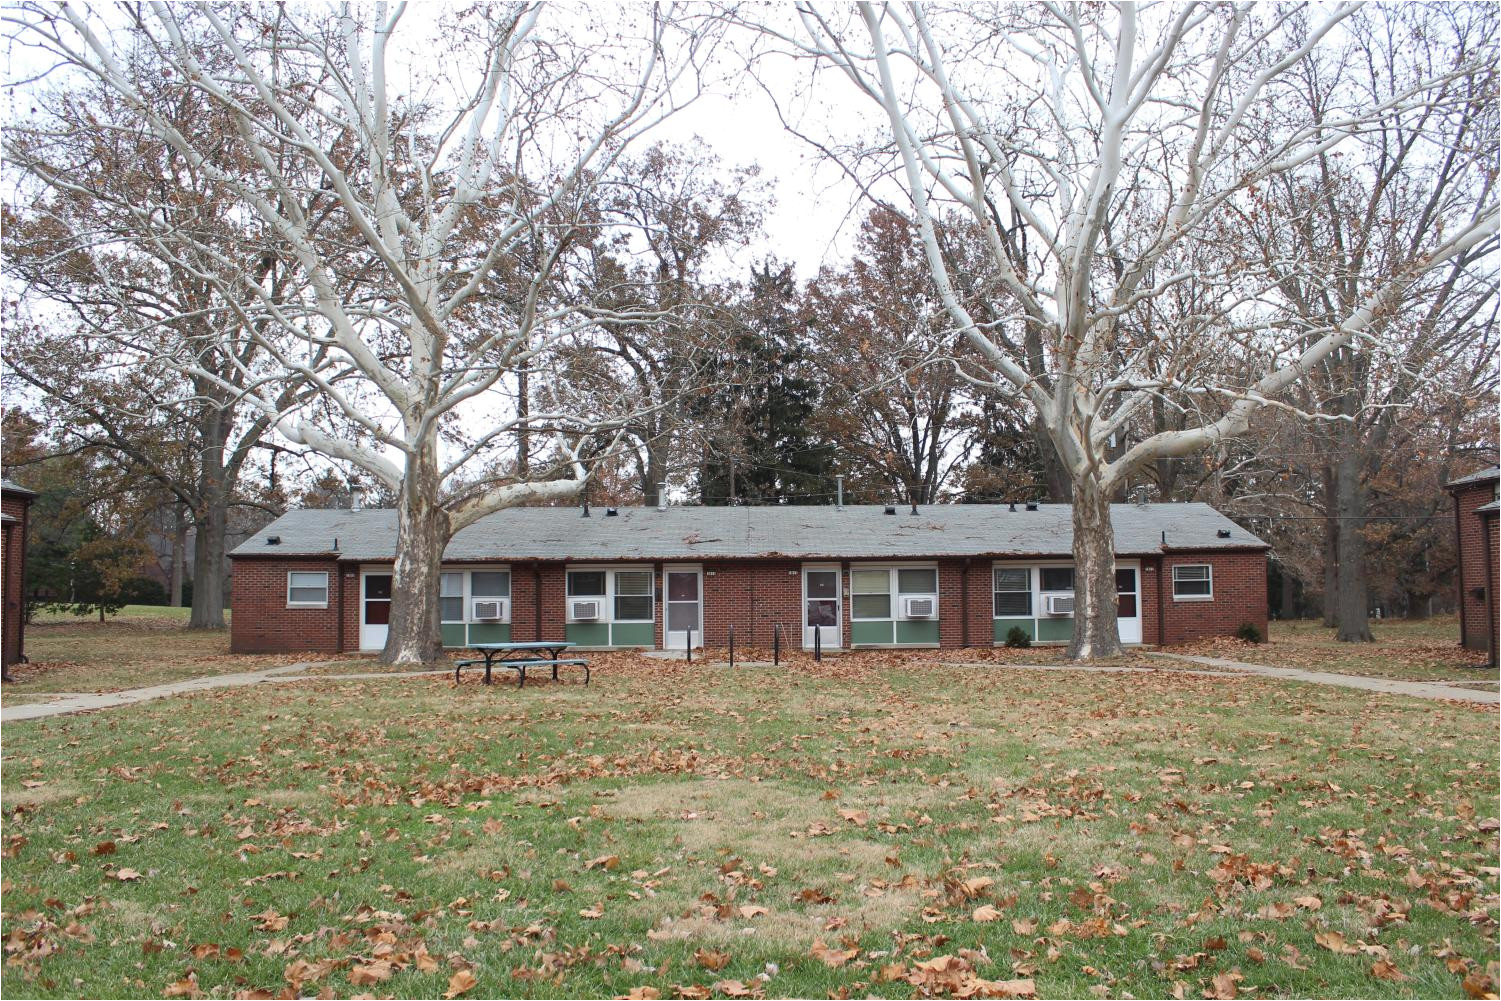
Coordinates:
624	595
307	589
633	595
1056	579
870	594
451	597
1193	582
883	592
459	589
1013	592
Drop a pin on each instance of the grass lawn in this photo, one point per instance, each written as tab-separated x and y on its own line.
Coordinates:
142	645
866	827
1424	650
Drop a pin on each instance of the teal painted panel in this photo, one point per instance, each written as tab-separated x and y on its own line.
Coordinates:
489	632
588	633
924	631
870	632
453	634
1058	630
1004	626
633	634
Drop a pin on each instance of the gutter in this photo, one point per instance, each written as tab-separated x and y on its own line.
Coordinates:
1464	627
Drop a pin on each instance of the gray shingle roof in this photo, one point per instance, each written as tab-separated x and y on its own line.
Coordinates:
1488	508
697	533
11	487
1482	476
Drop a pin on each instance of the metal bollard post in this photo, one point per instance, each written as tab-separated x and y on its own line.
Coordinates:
732	648
818	644
776	644
690	646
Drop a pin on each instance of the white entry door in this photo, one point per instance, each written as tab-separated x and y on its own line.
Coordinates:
375	610
685	609
821	607
1128	602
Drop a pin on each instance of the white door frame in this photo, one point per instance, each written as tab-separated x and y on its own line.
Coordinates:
833	636
1130	629
373	637
678	639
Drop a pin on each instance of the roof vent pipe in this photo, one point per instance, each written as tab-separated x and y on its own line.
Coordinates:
586	508
1031	505
661	496
839	493
356	497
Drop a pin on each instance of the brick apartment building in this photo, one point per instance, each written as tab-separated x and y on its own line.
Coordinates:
1475	526
852	577
15	506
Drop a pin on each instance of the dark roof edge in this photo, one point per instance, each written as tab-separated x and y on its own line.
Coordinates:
1474	479
762	557
10	487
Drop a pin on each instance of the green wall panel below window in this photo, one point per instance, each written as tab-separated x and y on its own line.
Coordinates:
633	634
1056	630
453	634
870	632
1004	626
912	631
588	633
489	632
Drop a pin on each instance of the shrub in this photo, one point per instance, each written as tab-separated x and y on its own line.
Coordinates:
1018	637
1249	633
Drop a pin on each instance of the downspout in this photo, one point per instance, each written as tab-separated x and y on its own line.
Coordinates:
1464	627
25	538
1490	585
537	601
964	603
1161	607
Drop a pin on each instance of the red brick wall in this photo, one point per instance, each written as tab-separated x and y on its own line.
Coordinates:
752	595
1477	533
261	621
1239	597
14	556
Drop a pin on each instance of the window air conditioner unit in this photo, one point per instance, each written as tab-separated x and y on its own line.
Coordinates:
919	608
584	609
488	609
1060	604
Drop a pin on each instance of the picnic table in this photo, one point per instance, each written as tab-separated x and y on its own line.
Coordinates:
519	657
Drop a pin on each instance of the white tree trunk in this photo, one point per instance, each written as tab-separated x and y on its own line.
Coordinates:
1096	633
423	530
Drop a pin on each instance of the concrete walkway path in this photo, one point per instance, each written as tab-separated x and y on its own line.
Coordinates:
1390	686
78	703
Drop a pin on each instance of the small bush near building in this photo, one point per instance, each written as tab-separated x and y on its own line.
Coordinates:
1249	633
1018	637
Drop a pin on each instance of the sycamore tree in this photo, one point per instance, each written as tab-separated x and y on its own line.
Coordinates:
1114	156
455	151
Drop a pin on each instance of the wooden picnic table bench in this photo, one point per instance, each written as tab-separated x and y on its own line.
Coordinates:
546	654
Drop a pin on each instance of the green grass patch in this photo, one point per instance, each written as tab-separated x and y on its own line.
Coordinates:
800	832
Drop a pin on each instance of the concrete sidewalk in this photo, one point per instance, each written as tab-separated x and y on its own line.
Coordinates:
1388	686
109	700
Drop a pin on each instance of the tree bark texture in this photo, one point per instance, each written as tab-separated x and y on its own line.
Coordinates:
1096	632
179	554
210	523
423	531
1331	550
1353	601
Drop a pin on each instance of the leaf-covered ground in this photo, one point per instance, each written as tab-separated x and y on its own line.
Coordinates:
131	650
861	828
1421	650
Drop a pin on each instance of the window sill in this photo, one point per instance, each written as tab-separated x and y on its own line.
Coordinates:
306	604
1194	597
